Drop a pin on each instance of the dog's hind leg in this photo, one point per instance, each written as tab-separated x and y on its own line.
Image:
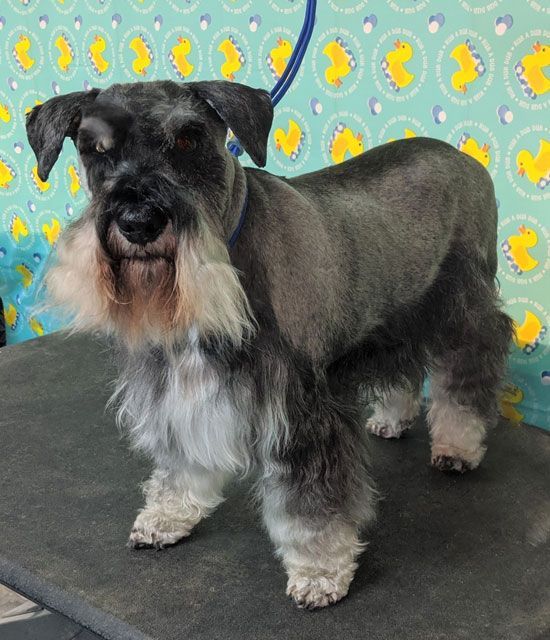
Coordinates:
457	430
176	499
394	411
465	385
316	496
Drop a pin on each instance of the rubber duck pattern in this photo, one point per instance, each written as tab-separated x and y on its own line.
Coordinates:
342	60
535	167
374	72
290	141
234	58
393	65
516	250
471	66
530	71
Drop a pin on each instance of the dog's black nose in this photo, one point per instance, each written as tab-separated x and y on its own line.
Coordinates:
141	227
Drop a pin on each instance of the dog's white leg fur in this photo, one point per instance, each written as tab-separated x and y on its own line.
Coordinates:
320	563
394	413
175	501
320	560
457	432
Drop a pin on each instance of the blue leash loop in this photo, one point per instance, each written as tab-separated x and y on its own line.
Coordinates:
291	69
281	87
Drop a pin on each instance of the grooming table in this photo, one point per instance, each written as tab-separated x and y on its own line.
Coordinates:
450	558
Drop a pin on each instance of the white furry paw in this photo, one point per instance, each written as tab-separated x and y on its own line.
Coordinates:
313	593
387	429
449	458
152	530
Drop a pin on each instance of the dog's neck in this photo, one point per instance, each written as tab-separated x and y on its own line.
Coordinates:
236	196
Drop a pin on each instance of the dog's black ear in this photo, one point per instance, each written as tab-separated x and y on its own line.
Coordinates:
246	111
50	123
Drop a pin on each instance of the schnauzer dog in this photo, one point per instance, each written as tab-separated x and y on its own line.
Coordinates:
346	285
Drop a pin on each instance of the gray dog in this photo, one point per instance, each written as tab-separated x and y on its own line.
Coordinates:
344	285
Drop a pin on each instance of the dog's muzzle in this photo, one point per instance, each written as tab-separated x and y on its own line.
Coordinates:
141	226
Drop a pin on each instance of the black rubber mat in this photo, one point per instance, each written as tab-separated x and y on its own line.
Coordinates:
450	558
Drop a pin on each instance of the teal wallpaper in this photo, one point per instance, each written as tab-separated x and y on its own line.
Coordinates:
472	72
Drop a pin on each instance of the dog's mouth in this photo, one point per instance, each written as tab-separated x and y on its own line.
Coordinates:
121	250
146	258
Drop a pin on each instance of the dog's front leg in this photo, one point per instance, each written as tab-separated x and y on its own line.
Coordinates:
176	499
316	497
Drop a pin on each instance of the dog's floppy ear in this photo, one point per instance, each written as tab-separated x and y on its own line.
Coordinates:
246	111
50	123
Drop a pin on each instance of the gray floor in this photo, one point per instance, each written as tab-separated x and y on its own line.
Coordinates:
450	558
9	600
21	619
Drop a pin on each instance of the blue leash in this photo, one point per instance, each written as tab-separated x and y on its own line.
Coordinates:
284	82
278	91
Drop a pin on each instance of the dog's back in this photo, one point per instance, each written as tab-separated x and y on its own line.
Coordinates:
354	244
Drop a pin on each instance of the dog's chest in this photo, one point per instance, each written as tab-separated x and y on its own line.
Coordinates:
192	415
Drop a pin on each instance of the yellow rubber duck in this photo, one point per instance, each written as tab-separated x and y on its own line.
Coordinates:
36	326
5	115
277	57
536	168
393	65
515	249
26	274
529	71
38	183
470	146
11	316
234	58
529	334
342	59
29	109
144	55
67	54
95	55
74	186
291	141
7	174
409	133
178	58
52	231
342	141
18	228
21	55
511	396
470	63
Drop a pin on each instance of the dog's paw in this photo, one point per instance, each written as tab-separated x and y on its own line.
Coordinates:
152	531
449	463
387	429
314	593
453	459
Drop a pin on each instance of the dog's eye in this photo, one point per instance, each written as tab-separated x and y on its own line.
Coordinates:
186	142
91	147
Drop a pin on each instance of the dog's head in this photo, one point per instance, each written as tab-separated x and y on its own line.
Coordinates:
148	257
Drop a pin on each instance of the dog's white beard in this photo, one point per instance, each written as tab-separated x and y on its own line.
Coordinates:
155	302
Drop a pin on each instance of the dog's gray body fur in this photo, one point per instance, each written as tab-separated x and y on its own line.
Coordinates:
363	240
360	278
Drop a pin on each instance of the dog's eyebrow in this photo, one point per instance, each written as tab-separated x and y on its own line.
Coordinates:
178	119
107	123
99	130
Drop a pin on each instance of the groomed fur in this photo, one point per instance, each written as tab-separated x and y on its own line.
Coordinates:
346	285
